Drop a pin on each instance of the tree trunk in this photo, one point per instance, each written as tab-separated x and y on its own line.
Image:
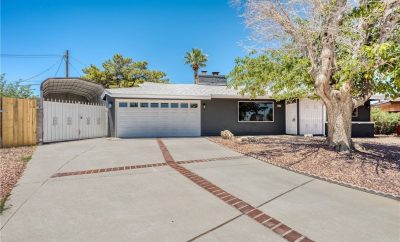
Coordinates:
196	74
339	114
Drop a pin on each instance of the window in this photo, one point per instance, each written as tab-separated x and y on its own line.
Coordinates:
154	105
133	105
256	111
123	105
164	105
355	112
174	105
144	105
184	105
194	105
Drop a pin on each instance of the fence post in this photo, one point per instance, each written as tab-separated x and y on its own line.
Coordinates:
39	121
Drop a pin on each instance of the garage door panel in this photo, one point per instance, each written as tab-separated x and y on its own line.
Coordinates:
157	122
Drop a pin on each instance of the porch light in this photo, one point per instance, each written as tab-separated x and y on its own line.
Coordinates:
204	106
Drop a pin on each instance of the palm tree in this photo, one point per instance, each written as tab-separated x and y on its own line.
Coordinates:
196	59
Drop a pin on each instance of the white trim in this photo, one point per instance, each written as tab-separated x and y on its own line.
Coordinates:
273	111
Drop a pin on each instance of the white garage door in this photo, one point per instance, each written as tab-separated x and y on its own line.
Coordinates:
157	118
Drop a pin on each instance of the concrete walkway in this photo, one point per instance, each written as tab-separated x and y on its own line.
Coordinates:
123	190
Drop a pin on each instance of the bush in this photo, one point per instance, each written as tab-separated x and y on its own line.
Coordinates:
385	123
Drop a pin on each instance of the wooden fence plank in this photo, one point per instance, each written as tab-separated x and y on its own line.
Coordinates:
18	124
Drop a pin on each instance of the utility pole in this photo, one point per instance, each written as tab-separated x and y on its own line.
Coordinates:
66	63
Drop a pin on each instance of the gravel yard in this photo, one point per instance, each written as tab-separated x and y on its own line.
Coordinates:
12	165
374	166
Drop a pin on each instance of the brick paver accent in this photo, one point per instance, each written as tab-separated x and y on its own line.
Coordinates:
244	207
102	170
121	168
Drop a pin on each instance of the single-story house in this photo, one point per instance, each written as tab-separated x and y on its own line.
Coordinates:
391	106
208	107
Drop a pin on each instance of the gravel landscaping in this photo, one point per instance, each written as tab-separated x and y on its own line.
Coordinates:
12	165
374	166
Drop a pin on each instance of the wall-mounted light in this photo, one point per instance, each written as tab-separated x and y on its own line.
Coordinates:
110	104
204	106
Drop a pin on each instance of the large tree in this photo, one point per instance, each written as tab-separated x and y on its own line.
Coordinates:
341	51
196	59
123	72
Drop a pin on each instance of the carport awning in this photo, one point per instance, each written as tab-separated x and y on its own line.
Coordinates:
71	89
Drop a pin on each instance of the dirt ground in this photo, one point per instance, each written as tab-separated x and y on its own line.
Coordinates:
12	165
375	165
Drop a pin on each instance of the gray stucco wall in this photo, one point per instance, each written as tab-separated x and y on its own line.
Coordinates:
111	116
221	114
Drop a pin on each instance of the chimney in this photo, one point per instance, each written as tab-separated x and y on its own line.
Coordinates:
215	73
204	72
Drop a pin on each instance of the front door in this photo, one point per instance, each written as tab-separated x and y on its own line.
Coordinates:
291	117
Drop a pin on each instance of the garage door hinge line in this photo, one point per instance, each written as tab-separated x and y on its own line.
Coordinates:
245	208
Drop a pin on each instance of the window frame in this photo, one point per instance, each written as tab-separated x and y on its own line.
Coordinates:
156	105
140	105
130	104
119	104
188	106
177	105
161	105
266	121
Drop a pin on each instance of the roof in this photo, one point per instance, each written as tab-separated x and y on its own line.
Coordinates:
89	90
175	91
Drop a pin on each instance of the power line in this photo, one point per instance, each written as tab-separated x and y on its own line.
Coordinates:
59	66
80	62
40	73
76	70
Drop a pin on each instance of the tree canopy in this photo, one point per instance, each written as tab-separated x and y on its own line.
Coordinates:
15	89
123	72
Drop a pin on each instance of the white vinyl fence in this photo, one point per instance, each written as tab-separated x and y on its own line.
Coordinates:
71	121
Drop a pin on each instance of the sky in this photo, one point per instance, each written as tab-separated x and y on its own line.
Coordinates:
157	31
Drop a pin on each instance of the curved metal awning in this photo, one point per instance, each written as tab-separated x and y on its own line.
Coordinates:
72	89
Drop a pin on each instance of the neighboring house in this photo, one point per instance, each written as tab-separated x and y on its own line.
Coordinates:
391	106
207	108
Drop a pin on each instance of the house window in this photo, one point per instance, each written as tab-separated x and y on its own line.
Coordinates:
256	111
164	105
123	105
355	112
194	105
133	105
184	105
174	105
154	105
144	105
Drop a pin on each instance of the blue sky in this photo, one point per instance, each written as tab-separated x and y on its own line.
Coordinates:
93	30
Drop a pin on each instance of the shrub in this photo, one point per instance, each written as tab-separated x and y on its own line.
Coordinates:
385	123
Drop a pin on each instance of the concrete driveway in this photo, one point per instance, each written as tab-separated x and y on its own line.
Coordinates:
182	189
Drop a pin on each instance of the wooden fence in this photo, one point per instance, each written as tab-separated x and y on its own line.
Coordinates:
17	121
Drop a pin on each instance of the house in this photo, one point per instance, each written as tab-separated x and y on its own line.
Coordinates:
391	106
207	108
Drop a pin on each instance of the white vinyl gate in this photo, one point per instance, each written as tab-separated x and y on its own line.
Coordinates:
71	121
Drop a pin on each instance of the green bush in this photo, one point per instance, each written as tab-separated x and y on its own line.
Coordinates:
385	123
